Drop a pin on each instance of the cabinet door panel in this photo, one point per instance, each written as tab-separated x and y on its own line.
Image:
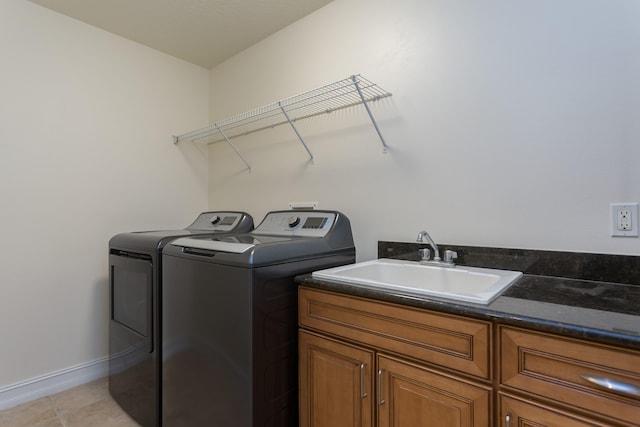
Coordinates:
411	395
336	383
525	414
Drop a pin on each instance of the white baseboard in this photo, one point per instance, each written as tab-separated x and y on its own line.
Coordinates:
52	383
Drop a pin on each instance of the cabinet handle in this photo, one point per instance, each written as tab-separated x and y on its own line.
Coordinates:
363	393
380	399
613	385
508	420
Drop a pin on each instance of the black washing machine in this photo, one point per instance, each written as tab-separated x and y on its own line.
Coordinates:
229	327
135	278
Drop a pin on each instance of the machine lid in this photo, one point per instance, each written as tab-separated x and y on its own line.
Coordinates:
234	244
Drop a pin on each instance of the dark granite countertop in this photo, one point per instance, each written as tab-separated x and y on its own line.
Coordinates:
589	296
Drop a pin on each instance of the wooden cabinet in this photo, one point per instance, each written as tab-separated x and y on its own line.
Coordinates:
368	363
560	377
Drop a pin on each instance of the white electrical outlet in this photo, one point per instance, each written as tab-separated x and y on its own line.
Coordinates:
624	219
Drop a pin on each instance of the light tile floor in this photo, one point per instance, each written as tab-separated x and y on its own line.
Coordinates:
88	405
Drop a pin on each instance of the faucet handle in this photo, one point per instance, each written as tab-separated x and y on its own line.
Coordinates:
424	254
449	256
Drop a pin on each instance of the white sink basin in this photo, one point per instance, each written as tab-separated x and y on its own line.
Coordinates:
471	284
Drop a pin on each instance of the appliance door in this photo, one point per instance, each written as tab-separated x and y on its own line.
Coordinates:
131	365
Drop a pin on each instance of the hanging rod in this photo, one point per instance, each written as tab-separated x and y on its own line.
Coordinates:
345	93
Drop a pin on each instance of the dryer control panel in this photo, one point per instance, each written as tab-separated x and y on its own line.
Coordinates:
297	223
222	222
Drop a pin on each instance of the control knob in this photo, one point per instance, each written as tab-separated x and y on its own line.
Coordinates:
293	220
214	220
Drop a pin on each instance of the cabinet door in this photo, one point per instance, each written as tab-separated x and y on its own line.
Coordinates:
335	383
515	412
411	395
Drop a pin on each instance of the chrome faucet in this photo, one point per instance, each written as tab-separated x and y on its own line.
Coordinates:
425	254
436	251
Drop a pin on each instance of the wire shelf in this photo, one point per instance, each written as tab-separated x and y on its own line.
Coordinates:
345	93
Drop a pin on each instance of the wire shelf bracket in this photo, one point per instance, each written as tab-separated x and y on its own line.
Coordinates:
234	148
296	131
345	93
366	106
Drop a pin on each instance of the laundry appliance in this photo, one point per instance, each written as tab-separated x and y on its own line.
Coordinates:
229	327
135	280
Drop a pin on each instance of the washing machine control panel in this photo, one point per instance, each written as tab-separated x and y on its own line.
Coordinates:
297	223
218	221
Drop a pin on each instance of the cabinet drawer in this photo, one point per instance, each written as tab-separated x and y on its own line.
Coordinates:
451	342
556	368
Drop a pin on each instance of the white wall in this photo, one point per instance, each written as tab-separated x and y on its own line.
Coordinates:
86	120
512	124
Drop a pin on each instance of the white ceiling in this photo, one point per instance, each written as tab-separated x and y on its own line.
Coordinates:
204	32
